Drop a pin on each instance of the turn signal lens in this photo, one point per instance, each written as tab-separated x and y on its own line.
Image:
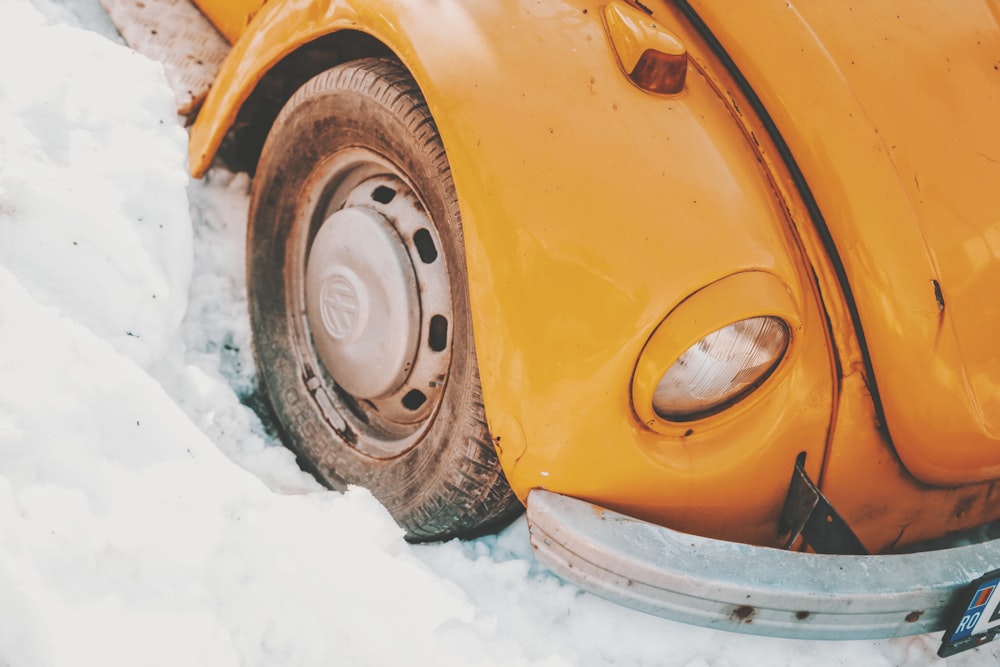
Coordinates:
654	58
660	72
721	368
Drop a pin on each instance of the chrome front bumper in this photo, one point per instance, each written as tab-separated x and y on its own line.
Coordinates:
743	588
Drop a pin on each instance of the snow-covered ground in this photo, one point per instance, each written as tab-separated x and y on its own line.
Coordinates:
146	516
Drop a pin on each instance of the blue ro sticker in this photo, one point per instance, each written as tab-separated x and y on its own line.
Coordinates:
979	621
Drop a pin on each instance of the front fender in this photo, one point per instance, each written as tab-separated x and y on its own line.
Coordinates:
592	210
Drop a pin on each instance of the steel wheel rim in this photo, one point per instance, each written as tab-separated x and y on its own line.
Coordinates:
338	304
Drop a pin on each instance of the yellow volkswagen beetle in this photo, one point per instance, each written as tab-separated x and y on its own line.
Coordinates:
711	288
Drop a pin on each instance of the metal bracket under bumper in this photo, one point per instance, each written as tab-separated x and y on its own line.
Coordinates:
750	589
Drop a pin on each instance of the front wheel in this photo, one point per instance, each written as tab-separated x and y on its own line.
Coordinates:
359	303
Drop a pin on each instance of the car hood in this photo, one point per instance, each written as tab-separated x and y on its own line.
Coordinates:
890	110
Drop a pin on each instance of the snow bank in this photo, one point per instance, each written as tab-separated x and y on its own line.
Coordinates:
128	535
127	538
94	206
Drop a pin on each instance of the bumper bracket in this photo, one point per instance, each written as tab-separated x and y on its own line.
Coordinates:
808	513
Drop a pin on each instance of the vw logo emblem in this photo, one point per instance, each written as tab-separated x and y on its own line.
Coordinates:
340	306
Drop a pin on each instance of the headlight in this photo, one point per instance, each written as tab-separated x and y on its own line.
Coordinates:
721	368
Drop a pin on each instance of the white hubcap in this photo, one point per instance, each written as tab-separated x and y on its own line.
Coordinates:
362	302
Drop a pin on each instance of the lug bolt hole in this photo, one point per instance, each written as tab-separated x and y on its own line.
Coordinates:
425	246
438	335
414	399
383	194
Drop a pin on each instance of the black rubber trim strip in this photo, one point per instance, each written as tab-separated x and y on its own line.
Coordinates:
803	187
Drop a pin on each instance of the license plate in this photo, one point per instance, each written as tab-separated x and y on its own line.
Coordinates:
977	617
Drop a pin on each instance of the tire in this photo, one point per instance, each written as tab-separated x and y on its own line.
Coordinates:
359	303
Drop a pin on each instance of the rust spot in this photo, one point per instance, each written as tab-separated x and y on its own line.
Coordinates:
963	506
938	295
914	616
743	614
802	615
348	435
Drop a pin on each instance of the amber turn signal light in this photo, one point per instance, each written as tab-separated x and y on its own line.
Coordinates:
652	57
660	72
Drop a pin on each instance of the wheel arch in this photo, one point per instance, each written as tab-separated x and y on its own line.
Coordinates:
280	50
285	45
237	125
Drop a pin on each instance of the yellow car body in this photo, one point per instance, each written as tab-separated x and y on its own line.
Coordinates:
835	167
597	213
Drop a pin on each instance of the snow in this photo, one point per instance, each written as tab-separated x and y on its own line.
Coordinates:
147	516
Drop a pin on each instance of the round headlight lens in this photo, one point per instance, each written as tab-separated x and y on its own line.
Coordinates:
721	368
